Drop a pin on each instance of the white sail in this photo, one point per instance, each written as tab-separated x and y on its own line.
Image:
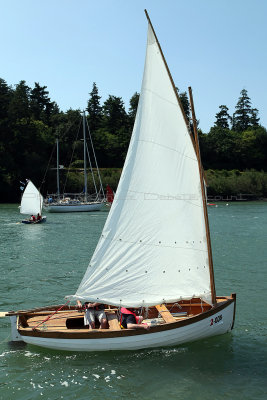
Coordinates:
153	247
32	200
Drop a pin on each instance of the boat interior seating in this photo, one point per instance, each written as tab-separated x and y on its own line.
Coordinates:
70	318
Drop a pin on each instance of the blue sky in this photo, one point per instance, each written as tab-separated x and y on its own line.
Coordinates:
216	47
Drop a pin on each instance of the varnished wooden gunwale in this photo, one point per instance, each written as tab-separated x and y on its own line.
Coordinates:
107	333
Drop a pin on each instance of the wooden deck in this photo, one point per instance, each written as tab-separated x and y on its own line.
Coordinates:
69	320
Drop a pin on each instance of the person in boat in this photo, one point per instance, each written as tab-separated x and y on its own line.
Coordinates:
129	319
39	217
93	311
33	218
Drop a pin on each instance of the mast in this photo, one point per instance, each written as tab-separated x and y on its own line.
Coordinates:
84	159
212	282
98	173
58	190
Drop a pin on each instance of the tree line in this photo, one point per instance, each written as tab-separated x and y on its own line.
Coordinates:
30	122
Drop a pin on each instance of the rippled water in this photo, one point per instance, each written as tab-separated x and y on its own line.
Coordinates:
40	264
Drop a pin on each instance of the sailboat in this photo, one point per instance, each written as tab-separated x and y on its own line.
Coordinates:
31	204
74	202
154	252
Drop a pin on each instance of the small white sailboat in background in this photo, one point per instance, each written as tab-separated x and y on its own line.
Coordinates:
31	204
71	202
154	251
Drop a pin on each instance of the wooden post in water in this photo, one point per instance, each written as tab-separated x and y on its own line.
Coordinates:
212	283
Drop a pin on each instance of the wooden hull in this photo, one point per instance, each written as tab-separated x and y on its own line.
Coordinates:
64	208
216	321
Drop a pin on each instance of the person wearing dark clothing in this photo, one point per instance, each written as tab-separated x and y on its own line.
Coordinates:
129	319
93	311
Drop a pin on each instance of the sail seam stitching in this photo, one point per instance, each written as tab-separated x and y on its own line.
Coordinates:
154	245
169	148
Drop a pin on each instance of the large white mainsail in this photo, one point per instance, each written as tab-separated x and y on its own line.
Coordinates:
153	247
32	200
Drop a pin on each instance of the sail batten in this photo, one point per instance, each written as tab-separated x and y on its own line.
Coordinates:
153	247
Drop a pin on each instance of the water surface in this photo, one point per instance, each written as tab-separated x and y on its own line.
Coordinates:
40	264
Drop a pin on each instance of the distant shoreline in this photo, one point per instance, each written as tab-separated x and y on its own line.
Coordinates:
222	185
238	198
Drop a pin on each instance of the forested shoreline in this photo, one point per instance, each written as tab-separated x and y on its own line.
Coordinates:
234	151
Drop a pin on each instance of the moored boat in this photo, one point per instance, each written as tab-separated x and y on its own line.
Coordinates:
74	206
64	203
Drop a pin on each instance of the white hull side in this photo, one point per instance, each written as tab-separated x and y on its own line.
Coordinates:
189	333
74	208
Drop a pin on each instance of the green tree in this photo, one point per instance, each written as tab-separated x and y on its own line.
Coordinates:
223	118
94	110
19	106
218	149
254	119
252	149
244	116
67	127
7	164
114	114
5	97
40	104
113	138
133	109
185	103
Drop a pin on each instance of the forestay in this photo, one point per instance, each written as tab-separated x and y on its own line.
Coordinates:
32	200
153	247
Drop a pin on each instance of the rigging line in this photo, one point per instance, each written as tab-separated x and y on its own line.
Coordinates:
193	204
63	315
46	319
168	148
67	175
91	169
5	340
43	181
91	141
175	104
176	304
67	130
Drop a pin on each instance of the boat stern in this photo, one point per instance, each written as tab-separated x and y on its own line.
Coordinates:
15	336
